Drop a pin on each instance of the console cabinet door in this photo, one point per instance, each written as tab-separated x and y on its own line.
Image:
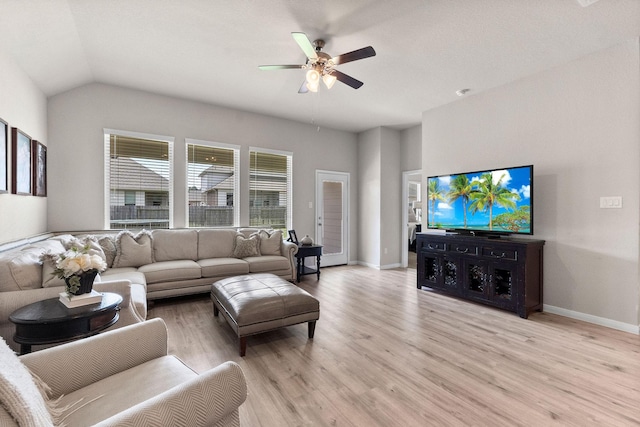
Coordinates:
438	271
475	281
502	284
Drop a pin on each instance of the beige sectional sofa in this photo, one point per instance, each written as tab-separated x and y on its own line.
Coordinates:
144	266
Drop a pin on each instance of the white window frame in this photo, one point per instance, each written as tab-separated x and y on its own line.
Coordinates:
236	185
107	169
289	154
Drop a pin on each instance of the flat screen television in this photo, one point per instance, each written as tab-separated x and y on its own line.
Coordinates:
489	202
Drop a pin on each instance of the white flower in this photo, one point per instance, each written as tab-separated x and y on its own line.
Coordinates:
77	261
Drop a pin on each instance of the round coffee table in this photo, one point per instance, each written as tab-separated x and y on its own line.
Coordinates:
50	321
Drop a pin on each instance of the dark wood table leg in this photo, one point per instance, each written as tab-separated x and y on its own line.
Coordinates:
312	328
25	348
318	266
242	343
299	269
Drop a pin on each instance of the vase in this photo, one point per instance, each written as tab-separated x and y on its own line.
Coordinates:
86	282
306	240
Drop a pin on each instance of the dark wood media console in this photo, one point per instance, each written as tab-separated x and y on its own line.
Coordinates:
504	273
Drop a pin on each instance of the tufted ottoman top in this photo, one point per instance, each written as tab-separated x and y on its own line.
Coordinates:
257	298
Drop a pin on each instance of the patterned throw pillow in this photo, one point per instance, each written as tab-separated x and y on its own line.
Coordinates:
108	245
133	251
270	242
246	247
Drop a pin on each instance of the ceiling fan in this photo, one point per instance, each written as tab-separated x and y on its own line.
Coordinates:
320	65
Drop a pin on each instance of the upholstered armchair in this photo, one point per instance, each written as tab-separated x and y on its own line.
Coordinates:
123	377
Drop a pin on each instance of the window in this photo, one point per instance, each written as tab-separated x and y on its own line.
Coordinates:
212	171
138	181
270	189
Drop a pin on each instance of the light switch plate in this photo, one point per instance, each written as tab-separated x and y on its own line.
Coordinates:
611	202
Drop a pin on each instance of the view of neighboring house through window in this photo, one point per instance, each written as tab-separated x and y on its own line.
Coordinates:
212	171
270	189
138	180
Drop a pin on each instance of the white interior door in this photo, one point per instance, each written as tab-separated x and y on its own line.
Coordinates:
332	228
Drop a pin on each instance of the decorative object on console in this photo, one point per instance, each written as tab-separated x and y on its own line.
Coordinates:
306	240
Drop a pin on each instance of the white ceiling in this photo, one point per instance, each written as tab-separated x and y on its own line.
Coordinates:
209	50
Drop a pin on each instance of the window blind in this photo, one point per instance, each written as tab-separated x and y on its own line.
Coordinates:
139	180
270	189
212	185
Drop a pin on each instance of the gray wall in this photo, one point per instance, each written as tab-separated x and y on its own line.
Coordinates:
411	149
380	220
579	124
77	119
24	106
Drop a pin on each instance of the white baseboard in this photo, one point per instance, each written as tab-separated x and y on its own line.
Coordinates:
390	266
602	321
366	264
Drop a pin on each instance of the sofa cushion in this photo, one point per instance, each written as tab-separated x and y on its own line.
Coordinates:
216	243
270	242
22	269
112	395
246	246
19	394
216	267
133	251
170	245
269	263
171	271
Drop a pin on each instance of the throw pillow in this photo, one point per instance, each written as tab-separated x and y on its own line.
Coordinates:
270	242
108	245
87	241
48	265
246	247
133	251
19	393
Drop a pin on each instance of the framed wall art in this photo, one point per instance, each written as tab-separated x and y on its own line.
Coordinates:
39	153
20	162
4	150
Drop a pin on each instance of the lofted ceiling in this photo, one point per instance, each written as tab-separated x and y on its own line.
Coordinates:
209	50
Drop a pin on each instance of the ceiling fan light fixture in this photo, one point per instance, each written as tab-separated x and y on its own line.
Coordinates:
329	80
313	77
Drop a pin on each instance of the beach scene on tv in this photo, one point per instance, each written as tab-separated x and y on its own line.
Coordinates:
492	201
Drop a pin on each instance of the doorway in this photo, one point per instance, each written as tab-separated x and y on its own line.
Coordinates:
411	214
332	212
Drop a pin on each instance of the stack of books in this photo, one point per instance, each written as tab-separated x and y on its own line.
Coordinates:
93	297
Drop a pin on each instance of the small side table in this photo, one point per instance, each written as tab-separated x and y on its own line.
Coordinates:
308	251
50	321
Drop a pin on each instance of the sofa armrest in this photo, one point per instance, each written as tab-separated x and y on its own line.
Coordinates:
212	398
120	287
69	367
289	250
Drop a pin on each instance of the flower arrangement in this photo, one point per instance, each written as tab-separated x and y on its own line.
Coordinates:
75	264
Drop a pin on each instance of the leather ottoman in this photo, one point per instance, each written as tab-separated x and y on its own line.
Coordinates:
256	303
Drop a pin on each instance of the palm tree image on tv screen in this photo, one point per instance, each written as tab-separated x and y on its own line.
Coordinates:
496	201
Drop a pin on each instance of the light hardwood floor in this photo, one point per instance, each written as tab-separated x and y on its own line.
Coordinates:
388	354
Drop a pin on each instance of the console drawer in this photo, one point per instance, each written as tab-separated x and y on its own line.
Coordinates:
464	248
500	253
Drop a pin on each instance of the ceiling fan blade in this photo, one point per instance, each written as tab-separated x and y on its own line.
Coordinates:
365	52
280	67
305	45
348	80
303	88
